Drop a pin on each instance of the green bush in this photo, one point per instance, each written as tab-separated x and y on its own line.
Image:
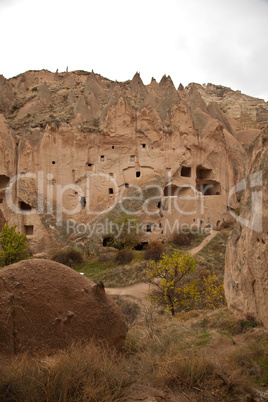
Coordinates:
154	251
70	256
124	256
13	246
124	231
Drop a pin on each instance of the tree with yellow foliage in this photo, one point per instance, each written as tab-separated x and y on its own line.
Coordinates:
168	277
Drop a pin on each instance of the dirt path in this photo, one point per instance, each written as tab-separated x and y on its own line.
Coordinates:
140	290
196	250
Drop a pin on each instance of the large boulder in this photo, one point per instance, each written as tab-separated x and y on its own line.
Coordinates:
45	306
246	270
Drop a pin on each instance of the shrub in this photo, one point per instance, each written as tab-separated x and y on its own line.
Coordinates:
182	239
124	256
124	231
70	256
154	251
13	246
213	292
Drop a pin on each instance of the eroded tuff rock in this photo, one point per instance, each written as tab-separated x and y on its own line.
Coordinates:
247	111
246	271
47	306
78	144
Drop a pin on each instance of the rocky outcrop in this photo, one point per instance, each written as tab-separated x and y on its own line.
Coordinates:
46	306
75	145
247	111
246	271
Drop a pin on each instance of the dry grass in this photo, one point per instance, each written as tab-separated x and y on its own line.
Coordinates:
82	373
171	354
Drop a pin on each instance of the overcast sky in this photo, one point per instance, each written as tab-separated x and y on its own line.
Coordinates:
224	42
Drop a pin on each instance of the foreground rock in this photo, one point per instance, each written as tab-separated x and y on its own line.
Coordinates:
46	306
246	271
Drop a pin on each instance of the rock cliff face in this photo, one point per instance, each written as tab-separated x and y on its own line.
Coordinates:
76	147
246	270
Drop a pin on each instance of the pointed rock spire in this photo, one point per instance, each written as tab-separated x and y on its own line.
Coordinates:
167	81
137	79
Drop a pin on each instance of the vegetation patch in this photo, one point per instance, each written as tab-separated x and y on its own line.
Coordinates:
161	352
154	251
112	274
13	246
70	256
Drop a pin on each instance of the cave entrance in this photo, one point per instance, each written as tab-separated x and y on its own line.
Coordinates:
4	181
203	174
24	206
141	246
211	187
205	182
107	241
2	220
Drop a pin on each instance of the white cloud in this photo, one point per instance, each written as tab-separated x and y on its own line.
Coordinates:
220	41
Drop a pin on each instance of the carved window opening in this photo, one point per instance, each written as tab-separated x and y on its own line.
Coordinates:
102	158
4	181
90	166
24	207
203	174
148	228
209	188
111	191
53	162
126	185
186	171
138	174
28	230
205	183
83	202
